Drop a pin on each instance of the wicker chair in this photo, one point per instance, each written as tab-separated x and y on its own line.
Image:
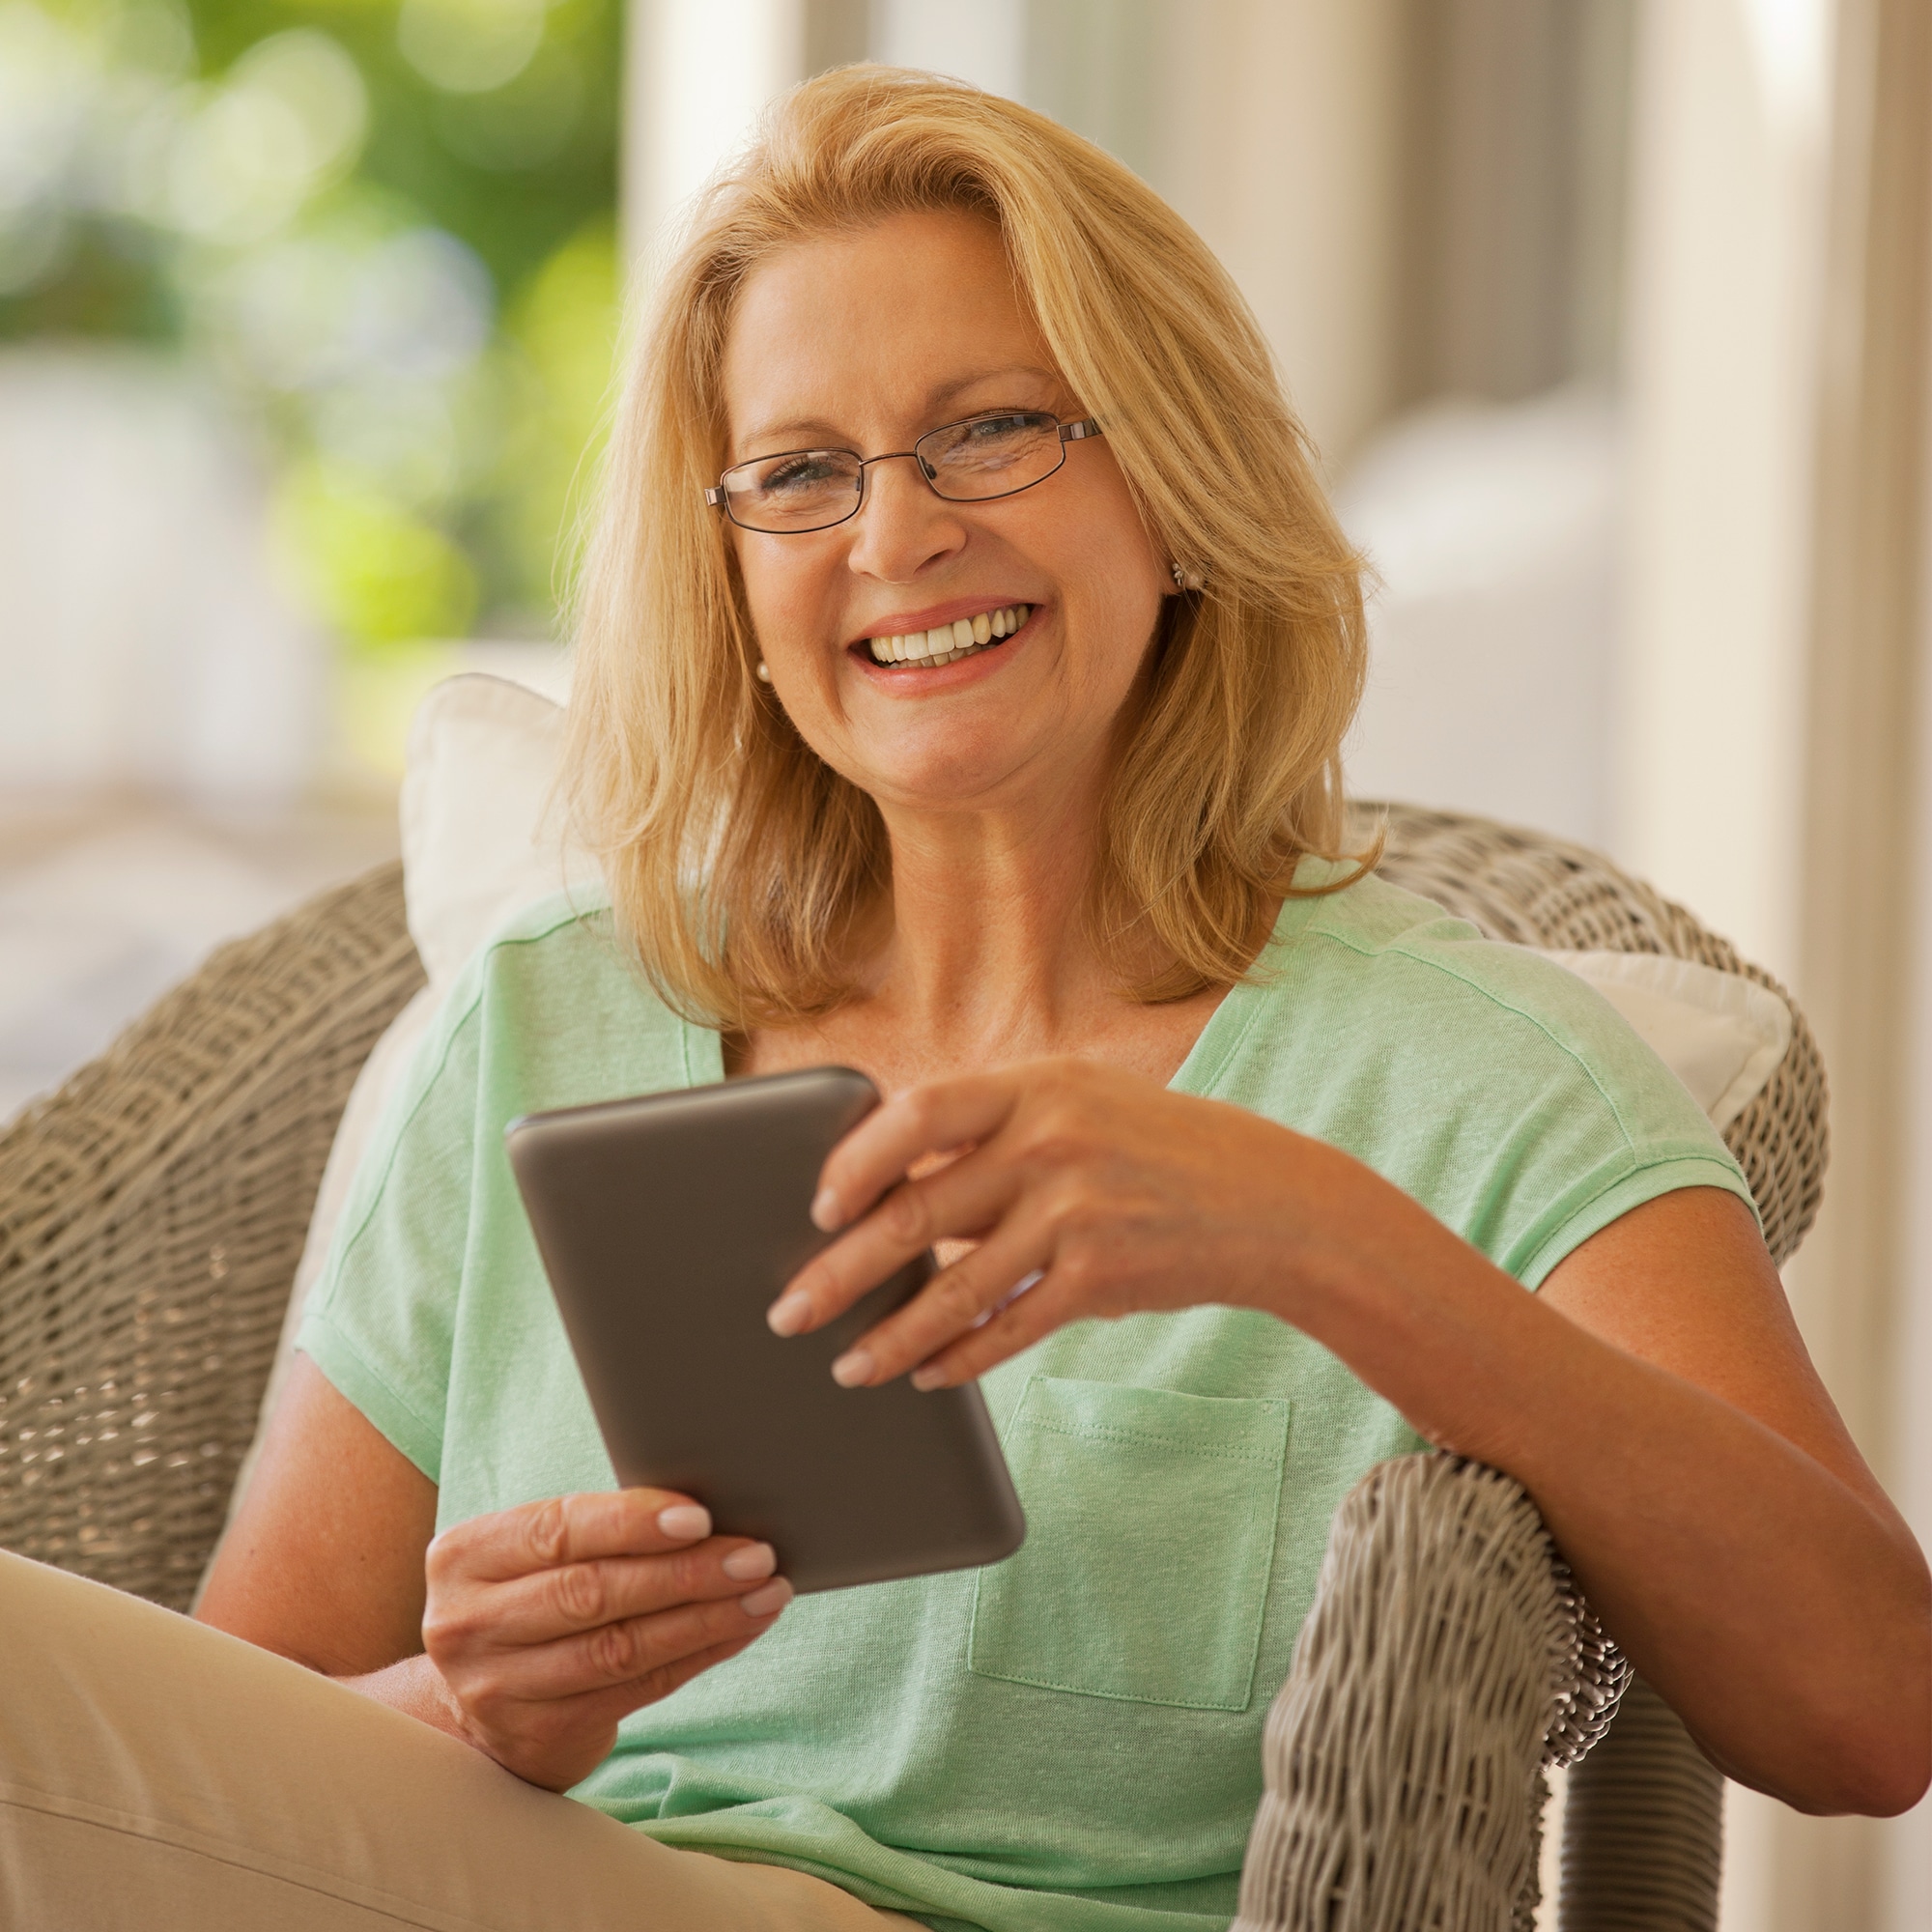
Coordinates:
152	1211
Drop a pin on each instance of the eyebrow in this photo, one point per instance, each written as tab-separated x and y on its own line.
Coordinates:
936	399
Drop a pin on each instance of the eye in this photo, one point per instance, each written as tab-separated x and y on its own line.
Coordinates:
995	429
803	472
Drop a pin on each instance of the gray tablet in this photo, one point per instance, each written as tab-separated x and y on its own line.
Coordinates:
668	1225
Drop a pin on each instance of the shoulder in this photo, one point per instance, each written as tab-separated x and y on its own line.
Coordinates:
565	949
1487	1080
548	1011
1381	950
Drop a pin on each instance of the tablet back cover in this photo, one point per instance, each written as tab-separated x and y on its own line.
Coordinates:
668	1226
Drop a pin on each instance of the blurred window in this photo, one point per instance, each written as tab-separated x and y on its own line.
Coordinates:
387	230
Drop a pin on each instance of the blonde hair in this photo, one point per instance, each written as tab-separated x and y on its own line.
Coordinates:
738	861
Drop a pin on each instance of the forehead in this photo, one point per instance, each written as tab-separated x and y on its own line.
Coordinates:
864	332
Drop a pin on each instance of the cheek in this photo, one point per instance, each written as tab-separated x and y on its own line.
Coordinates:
788	596
1124	601
768	588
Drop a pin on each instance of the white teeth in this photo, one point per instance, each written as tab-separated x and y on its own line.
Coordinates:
944	643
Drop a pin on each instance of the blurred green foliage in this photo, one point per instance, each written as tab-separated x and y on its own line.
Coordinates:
388	225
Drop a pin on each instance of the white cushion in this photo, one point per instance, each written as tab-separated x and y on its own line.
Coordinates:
1720	1033
480	842
479	831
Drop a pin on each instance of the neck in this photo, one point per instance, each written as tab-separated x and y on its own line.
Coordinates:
987	951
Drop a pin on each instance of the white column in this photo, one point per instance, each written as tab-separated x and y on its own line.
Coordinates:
1725	256
1906	1878
695	74
1763	669
1280	140
979	41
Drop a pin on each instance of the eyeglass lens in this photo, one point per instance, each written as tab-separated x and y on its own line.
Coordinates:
965	463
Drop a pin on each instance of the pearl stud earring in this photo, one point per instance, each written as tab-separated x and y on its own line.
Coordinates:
764	672
1186	579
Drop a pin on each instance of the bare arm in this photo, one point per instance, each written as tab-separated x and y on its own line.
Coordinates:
1654	1397
527	1633
324	1561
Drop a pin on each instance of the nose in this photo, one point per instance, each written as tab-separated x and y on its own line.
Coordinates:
902	526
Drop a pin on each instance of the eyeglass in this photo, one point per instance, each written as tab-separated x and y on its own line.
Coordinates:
971	462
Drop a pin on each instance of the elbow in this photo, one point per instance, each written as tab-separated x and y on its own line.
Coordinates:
1875	1755
1881	1782
1894	1770
1890	1799
1863	1770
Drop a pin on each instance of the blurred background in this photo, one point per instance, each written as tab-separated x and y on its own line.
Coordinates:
1610	318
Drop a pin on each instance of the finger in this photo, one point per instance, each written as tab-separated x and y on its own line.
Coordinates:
955	1301
933	1118
636	1649
965	1201
594	1709
1026	1319
573	1597
569	1529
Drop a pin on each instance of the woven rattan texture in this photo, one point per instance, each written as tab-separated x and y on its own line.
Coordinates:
152	1212
1537	891
1646	1853
1404	1757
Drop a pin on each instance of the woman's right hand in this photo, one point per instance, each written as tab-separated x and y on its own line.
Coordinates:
550	1622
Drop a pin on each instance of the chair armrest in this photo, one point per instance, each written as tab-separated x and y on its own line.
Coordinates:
1447	1660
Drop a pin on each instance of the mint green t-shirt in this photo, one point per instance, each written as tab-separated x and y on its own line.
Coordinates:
1071	1739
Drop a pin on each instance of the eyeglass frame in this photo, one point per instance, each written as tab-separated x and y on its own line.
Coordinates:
719	497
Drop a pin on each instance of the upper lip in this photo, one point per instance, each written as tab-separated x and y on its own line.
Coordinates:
906	622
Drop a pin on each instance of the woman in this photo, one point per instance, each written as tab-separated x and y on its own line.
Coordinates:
963	664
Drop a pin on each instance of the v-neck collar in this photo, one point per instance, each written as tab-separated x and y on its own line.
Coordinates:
1214	1046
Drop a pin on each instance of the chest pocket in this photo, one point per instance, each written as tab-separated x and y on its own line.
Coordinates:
1150	1531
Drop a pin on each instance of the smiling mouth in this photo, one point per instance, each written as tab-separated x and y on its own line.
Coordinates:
948	643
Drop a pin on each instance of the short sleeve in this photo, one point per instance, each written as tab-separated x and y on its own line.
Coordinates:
1567	1121
1487	1082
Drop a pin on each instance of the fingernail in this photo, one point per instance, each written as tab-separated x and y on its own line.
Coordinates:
769	1601
824	1210
687	1522
787	1315
747	1565
853	1368
928	1377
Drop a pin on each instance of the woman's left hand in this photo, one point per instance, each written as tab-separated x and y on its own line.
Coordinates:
1115	1195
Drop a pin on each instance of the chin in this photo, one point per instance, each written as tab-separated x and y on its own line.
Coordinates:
950	777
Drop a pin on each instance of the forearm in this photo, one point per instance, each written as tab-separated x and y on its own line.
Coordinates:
1779	1611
